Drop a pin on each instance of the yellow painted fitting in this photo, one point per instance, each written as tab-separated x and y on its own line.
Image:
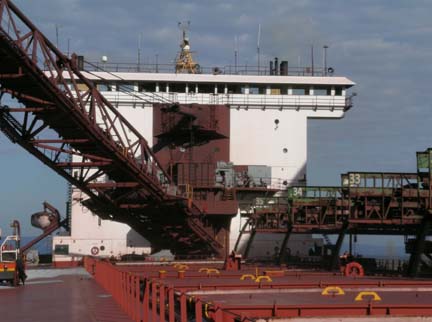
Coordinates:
213	270
182	267
333	290
203	269
263	277
360	296
245	276
206	310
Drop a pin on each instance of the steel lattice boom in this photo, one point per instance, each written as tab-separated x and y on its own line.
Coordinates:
64	121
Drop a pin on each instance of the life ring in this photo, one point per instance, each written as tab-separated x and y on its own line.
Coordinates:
94	250
354	269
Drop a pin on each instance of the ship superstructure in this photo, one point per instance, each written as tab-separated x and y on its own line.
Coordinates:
176	169
254	141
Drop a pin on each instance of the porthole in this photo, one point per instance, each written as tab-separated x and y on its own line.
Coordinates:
285	150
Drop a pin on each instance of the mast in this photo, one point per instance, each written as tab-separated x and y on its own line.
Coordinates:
184	61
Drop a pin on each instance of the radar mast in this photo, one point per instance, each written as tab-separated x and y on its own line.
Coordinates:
184	61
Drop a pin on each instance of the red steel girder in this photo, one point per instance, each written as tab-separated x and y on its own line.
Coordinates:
113	147
109	185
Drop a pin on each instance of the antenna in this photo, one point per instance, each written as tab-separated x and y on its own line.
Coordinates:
258	47
184	27
139	50
57	27
235	53
312	58
325	59
184	61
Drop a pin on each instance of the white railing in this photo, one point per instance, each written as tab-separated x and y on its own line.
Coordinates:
234	100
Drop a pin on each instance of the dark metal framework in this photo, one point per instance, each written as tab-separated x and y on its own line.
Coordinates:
65	122
370	202
365	203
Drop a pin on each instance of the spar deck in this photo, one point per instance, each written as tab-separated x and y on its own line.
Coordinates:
59	295
205	292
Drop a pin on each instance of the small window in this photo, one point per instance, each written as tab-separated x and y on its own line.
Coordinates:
338	91
61	249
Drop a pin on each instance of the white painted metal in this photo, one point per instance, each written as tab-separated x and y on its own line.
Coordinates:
255	139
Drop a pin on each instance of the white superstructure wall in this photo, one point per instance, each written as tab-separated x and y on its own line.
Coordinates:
265	129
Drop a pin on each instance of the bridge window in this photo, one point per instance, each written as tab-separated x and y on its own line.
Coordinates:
298	90
338	91
103	87
257	89
162	87
177	87
82	87
322	91
278	89
206	88
126	87
236	89
147	87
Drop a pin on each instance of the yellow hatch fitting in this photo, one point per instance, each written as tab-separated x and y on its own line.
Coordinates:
263	277
245	276
374	295
208	270
333	290
182	267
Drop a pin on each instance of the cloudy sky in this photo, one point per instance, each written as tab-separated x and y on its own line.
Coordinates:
384	46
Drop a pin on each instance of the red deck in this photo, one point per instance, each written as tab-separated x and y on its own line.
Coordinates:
62	298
